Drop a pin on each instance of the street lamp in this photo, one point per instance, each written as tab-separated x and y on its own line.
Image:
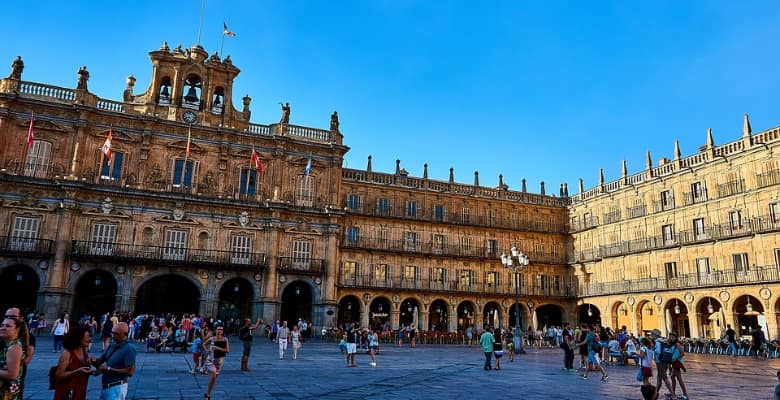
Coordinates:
516	261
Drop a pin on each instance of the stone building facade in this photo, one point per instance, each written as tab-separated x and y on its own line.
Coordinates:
193	208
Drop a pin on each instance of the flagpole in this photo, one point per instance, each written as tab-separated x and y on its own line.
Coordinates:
186	156
222	46
200	24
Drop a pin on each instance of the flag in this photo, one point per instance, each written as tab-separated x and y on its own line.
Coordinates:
106	149
30	134
255	161
226	31
307	170
189	140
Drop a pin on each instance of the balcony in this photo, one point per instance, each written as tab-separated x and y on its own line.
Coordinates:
456	218
611	217
367	281
637	211
663	205
301	266
768	178
694	280
17	246
695	197
731	188
132	253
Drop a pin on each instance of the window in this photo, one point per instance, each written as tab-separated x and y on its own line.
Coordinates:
439	275
465	217
175	243
240	249
383	206
467	278
248	182
439	243
517	281
539	248
667	200
777	258
103	239
410	241
350	273
465	245
25	233
668	234
353	234
38	159
301	254
491	217
381	274
698	193
438	212
492	280
741	264
735	219
643	271
383	240
112	167
178	179
699	232
353	202
304	193
671	269
774	212
411	209
703	267
411	273
543	282
491	248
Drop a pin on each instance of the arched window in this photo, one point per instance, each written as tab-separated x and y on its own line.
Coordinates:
218	101
191	99
164	97
38	159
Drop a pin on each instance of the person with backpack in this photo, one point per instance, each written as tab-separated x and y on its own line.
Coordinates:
594	349
662	361
677	366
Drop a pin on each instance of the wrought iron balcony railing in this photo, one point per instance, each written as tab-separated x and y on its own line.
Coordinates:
26	246
304	266
133	253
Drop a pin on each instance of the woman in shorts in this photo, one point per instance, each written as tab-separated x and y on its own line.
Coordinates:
373	345
498	349
646	356
218	346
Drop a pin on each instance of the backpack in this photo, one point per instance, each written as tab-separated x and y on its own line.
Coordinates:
596	345
667	353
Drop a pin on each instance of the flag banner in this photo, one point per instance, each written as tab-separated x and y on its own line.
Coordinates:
106	149
255	161
30	133
226	31
307	170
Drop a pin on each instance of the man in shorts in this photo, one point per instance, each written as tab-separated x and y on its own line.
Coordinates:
352	335
661	367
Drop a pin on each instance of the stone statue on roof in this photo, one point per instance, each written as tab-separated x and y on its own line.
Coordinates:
334	122
16	69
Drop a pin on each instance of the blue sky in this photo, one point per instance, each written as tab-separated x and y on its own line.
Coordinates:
547	90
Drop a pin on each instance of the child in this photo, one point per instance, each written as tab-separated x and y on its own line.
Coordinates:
646	356
195	347
343	344
498	349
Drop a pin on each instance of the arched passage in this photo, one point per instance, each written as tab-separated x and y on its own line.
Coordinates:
677	318
465	316
549	315
750	314
491	315
710	318
349	311
409	313
95	293
380	314
588	314
168	294
620	316
297	300
646	317
235	300
439	316
19	285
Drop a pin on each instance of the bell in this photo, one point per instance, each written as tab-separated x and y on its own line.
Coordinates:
192	96
216	101
165	92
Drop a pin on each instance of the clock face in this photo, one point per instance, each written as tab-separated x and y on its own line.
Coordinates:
189	117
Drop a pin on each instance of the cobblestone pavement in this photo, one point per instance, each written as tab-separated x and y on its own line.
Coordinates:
426	372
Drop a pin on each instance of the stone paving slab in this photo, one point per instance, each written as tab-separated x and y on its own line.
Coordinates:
447	372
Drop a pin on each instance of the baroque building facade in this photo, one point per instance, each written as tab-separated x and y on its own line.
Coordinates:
197	209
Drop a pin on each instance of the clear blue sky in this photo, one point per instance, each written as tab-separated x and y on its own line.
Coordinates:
544	90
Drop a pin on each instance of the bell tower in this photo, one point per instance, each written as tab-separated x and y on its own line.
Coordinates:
187	81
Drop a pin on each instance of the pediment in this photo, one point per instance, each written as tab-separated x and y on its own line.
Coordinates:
302	227
28	202
116	135
41	124
98	211
171	219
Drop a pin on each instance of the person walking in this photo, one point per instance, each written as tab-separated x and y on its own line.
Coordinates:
218	346
568	351
509	338
73	367
13	331
117	364
731	337
246	334
662	362
282	336
758	341
594	349
352	334
373	346
498	348
296	338
196	346
487	340
677	366
58	330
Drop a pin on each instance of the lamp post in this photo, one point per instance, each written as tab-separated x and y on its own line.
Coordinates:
516	261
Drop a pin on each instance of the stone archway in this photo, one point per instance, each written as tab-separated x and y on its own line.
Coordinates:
379	317
619	316
750	314
19	285
677	317
491	315
588	314
439	316
646	317
710	317
95	293
170	293
349	311
549	315
297	301
465	312
409	313
236	300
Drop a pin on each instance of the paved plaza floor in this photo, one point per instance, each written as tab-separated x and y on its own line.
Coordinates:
445	372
